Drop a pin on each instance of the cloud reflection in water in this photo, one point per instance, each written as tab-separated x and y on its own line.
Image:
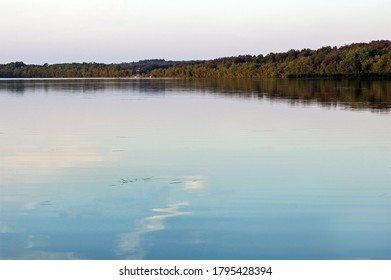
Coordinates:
130	243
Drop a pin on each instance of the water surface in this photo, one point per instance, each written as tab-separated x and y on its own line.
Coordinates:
195	169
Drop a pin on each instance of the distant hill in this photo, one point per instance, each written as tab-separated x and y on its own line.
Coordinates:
359	59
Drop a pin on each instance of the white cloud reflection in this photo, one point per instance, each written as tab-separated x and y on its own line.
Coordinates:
33	248
50	160
194	182
156	222
27	173
36	241
4	228
130	244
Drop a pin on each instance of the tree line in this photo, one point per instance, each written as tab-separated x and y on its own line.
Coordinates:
362	59
358	59
81	70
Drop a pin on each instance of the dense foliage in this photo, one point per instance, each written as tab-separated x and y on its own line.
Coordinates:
372	59
360	59
83	70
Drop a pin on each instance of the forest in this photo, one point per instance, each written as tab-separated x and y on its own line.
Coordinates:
358	60
82	70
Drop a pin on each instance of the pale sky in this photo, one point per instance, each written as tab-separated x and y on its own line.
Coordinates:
113	31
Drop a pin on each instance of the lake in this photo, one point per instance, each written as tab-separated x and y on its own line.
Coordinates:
195	169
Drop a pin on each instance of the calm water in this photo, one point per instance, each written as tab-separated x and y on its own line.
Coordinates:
185	169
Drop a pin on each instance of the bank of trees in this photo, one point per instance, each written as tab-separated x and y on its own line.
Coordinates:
81	70
362	59
372	59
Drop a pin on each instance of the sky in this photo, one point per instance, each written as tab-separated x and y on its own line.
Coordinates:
114	31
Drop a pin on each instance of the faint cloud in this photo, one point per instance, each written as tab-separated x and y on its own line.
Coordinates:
4	228
50	160
197	239
30	205
193	182
130	244
156	222
35	241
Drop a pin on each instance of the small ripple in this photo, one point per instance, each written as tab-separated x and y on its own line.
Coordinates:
46	203
147	179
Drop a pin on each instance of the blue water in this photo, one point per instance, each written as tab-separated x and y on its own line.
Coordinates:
166	169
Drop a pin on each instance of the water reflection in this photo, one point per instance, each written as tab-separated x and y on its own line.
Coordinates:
185	169
130	245
133	244
156	222
374	95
